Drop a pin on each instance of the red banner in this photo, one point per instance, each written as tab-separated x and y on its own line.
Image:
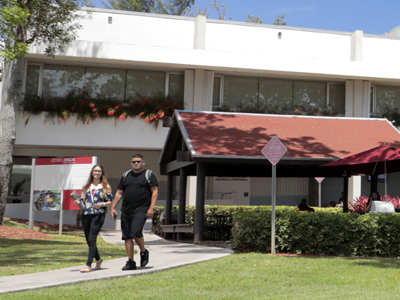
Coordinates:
63	161
68	203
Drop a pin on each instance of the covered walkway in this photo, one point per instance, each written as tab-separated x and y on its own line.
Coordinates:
229	144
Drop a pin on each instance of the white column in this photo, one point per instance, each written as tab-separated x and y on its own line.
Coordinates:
208	90
354	188
191	190
188	95
200	32
203	90
349	105
358	97
356	48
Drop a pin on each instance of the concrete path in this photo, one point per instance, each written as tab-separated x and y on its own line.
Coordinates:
163	255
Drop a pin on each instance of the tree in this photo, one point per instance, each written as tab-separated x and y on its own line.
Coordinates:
169	7
278	21
253	19
22	23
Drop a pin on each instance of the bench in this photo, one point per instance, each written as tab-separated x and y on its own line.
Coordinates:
177	228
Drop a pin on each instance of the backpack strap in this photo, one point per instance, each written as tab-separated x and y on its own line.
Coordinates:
147	175
124	176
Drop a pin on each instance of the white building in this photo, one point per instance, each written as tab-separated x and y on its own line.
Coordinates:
210	65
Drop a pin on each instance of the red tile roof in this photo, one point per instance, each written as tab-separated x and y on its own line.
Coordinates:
236	134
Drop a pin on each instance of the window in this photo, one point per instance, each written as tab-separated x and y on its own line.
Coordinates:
276	95
308	95
336	98
176	86
216	101
20	184
32	80
105	83
144	83
279	96
58	81
387	99
119	84
240	92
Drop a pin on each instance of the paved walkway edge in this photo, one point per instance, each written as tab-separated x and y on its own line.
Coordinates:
164	255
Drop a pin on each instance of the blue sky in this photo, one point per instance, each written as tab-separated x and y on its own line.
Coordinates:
371	16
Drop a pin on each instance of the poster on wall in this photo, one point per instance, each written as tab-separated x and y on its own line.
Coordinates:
46	200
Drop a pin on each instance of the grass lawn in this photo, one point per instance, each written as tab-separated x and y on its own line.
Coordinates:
238	276
247	276
20	256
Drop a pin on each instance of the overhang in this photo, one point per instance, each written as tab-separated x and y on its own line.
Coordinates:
230	144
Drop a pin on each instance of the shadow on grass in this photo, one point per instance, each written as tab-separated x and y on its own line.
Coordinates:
23	252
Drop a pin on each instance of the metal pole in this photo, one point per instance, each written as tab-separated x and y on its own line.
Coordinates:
61	221
319	194
385	183
273	209
31	217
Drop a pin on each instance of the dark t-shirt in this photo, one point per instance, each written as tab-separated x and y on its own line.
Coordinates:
137	193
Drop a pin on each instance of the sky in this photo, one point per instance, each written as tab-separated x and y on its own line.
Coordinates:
370	16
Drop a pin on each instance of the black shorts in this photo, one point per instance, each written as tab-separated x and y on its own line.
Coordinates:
132	224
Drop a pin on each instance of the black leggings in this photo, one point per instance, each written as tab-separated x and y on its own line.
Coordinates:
91	226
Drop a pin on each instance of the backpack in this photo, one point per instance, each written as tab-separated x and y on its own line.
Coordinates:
147	175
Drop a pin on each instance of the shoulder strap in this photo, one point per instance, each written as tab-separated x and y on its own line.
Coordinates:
124	176
148	176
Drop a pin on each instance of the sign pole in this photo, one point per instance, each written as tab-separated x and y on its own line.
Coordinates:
273	209
319	194
31	196
319	179
60	223
274	150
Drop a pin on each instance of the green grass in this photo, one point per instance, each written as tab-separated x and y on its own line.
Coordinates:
238	276
22	256
247	276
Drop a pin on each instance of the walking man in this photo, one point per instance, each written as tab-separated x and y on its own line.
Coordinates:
140	190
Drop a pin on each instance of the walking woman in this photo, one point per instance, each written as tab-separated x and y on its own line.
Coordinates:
96	197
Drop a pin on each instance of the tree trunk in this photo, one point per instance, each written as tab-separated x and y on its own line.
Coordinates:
13	77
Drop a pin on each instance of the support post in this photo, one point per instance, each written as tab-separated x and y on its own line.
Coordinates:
345	192
182	200
168	204
200	200
374	183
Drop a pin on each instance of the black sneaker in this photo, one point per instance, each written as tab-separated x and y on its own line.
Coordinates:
130	265
144	258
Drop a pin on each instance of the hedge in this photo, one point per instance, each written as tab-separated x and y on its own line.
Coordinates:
325	232
322	233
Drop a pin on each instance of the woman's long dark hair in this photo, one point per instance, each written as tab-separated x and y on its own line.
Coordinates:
103	180
370	196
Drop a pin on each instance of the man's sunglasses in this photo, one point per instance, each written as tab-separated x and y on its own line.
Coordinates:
136	161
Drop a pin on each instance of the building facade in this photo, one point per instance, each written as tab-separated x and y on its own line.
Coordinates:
208	65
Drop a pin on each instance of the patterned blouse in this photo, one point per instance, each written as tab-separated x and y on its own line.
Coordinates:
94	196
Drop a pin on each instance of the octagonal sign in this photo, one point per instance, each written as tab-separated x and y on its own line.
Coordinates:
274	150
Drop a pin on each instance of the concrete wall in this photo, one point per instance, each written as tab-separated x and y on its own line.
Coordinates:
170	41
108	133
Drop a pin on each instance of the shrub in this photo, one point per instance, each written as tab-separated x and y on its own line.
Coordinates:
320	233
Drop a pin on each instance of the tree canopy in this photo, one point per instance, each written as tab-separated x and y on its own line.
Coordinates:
23	22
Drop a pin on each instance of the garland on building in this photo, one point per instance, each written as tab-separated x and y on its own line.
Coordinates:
86	108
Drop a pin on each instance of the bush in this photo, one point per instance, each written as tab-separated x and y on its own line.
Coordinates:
319	233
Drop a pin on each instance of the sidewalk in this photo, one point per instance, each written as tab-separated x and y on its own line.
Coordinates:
163	255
